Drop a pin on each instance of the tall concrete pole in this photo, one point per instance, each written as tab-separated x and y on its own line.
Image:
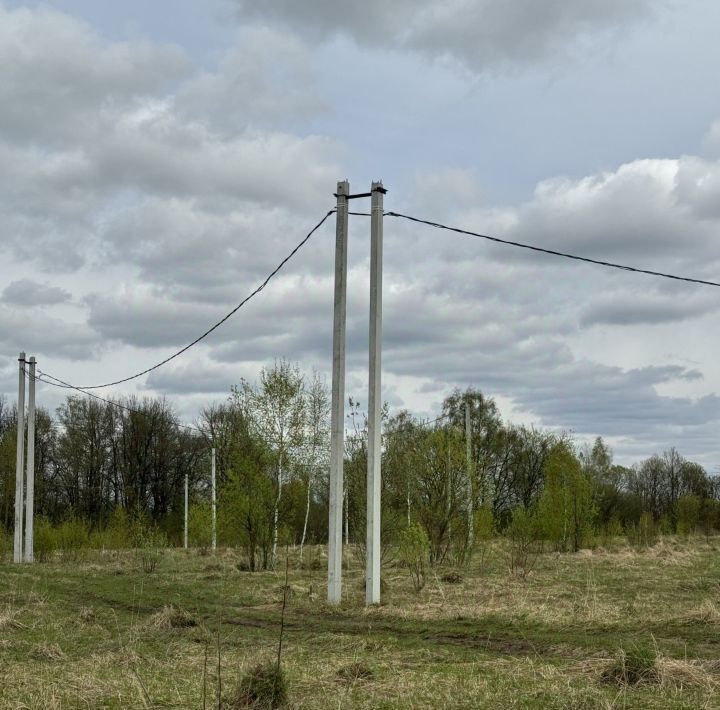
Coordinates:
373	548
185	528
337	405
19	462
30	473
469	463
214	503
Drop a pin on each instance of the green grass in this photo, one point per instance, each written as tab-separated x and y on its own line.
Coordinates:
101	633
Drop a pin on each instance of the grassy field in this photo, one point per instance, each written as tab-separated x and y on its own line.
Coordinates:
100	632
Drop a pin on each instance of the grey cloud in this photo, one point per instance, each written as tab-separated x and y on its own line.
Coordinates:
135	319
195	378
479	34
45	336
635	307
71	73
272	67
31	293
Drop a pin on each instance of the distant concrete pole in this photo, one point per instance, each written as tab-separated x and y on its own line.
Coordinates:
337	407
469	462
30	472
19	463
185	528
214	503
372	581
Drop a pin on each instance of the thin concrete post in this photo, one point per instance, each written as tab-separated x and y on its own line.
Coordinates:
337	406
469	463
185	528
19	463
30	471
372	580
214	503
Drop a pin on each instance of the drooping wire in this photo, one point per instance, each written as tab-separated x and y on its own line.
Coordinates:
552	252
49	379
214	327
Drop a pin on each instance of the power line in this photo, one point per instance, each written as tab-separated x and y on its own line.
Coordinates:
408	428
552	252
214	327
56	382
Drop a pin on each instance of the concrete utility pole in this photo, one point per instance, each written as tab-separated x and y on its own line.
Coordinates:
214	503
468	453
185	529
337	406
372	580
30	473
19	462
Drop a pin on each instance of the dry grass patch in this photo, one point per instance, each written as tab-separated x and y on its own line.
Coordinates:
707	613
171	617
87	615
46	652
679	673
8	620
355	671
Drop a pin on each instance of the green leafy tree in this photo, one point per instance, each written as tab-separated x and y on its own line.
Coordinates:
687	513
248	500
566	508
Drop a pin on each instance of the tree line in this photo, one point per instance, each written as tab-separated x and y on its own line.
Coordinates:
126	460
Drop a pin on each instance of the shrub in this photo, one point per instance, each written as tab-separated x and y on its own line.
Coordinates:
72	538
609	533
150	543
5	544
414	552
116	535
44	543
687	511
263	687
200	526
643	534
524	540
484	530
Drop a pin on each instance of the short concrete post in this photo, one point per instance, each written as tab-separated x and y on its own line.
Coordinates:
185	528
214	503
469	482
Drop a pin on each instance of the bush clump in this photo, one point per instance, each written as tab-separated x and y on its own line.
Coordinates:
263	687
150	543
452	578
171	617
644	534
355	671
637	664
524	541
44	543
414	552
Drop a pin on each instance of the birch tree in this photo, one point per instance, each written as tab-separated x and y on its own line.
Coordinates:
316	455
276	409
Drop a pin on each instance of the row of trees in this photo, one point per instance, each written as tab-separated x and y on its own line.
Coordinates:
272	450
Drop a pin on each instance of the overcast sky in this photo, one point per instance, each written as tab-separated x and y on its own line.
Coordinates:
159	159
